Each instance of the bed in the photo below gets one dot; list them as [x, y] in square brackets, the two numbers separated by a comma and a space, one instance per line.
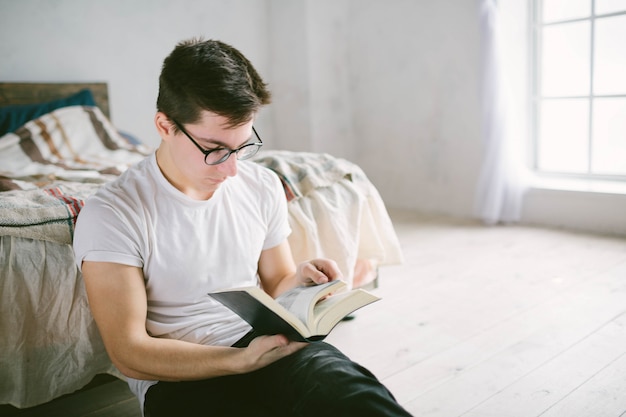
[57, 146]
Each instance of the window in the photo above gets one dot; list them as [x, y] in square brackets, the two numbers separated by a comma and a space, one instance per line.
[579, 88]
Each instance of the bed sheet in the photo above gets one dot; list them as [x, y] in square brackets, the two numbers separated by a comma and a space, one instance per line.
[50, 345]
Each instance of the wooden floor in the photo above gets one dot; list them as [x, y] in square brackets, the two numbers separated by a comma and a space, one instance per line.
[502, 322]
[478, 322]
[106, 396]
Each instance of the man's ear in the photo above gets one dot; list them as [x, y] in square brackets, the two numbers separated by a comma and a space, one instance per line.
[165, 127]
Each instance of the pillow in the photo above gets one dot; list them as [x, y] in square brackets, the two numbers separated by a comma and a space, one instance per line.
[12, 117]
[74, 141]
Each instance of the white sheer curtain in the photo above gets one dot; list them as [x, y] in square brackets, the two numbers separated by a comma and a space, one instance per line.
[502, 181]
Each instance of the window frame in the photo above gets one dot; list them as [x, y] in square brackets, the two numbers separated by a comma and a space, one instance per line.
[536, 28]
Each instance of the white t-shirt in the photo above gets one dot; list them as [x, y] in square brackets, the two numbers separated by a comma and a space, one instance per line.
[186, 248]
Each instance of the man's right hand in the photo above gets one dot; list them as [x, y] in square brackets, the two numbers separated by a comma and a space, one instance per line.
[265, 350]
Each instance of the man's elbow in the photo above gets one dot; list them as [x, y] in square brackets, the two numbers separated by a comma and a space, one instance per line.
[130, 372]
[121, 355]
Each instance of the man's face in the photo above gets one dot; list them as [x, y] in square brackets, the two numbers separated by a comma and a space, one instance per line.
[191, 174]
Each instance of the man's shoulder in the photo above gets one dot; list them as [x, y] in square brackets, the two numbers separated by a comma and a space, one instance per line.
[134, 176]
[128, 186]
[257, 173]
[257, 182]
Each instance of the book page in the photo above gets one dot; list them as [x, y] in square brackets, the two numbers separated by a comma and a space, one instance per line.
[300, 301]
[331, 310]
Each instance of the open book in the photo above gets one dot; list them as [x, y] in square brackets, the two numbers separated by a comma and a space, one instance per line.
[302, 314]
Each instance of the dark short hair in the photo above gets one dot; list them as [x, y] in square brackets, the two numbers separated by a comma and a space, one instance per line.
[210, 75]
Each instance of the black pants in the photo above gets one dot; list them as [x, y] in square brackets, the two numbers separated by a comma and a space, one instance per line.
[315, 381]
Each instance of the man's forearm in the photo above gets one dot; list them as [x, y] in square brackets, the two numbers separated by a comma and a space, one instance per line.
[175, 360]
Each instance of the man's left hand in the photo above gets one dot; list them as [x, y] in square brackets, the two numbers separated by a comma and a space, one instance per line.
[318, 271]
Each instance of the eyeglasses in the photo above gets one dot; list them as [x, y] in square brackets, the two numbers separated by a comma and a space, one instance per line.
[219, 155]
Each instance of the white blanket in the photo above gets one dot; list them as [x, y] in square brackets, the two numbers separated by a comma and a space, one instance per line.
[334, 211]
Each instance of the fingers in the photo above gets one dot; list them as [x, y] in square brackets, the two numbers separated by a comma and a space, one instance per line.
[318, 271]
[282, 346]
[291, 347]
[265, 350]
[272, 342]
[315, 274]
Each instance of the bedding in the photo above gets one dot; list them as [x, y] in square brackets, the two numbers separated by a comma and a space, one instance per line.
[49, 344]
[335, 212]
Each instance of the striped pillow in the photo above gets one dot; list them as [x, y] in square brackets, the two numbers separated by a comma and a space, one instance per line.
[72, 142]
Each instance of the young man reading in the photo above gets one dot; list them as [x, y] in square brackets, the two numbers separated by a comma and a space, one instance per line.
[195, 217]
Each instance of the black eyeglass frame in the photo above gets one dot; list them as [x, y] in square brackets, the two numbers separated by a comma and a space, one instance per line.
[207, 152]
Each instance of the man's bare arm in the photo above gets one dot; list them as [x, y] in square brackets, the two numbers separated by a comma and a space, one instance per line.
[278, 272]
[117, 297]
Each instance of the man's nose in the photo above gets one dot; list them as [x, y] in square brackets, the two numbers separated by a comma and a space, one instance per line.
[229, 166]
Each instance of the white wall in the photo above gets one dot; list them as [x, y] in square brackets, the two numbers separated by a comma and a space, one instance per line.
[416, 104]
[393, 85]
[390, 85]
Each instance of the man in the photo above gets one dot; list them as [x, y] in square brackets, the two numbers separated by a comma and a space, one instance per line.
[192, 218]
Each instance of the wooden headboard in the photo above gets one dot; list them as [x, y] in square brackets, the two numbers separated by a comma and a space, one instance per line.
[31, 93]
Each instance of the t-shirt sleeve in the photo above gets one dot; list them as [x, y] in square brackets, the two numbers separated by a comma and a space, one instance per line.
[103, 234]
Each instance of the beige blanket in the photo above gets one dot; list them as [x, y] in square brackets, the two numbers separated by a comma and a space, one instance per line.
[334, 211]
